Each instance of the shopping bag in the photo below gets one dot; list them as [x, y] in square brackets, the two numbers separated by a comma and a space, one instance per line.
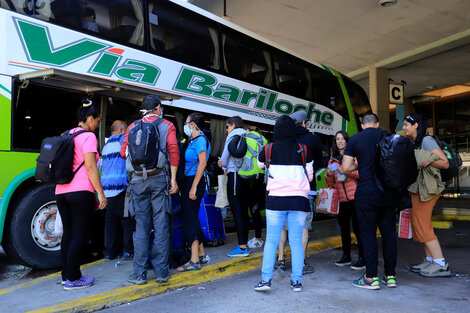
[58, 227]
[221, 200]
[404, 225]
[328, 201]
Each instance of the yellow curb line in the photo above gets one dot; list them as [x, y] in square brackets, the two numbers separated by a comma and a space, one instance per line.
[207, 273]
[451, 217]
[50, 276]
[442, 224]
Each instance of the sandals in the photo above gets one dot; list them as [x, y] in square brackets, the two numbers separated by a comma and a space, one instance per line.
[191, 266]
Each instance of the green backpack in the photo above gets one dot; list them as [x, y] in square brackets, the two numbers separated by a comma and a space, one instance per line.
[254, 143]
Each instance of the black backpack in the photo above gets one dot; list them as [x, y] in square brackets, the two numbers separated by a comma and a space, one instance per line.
[55, 162]
[144, 146]
[396, 162]
[455, 161]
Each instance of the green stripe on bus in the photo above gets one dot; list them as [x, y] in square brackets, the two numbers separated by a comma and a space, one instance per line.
[6, 197]
[5, 123]
[5, 88]
[352, 125]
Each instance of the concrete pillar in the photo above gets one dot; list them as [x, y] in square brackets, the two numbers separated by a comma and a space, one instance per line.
[379, 98]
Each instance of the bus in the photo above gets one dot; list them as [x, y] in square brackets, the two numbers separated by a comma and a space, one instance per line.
[117, 51]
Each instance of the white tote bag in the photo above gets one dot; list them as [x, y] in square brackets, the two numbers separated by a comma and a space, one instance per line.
[328, 201]
[221, 199]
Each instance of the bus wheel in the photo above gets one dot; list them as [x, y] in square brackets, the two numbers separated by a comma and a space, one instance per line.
[30, 236]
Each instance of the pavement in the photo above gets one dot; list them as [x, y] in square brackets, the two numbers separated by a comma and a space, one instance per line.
[45, 294]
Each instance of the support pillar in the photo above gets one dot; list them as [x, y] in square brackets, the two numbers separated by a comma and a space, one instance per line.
[379, 95]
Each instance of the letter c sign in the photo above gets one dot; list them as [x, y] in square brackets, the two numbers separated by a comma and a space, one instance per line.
[396, 93]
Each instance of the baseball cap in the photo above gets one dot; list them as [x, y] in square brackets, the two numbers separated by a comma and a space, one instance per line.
[299, 116]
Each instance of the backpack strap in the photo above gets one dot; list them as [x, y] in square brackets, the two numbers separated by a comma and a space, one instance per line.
[74, 135]
[303, 148]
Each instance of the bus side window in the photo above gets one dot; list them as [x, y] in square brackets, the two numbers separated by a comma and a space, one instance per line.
[180, 35]
[293, 76]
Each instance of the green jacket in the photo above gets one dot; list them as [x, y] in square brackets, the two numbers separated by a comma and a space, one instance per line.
[428, 184]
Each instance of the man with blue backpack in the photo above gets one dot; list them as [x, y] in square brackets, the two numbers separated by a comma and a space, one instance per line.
[153, 158]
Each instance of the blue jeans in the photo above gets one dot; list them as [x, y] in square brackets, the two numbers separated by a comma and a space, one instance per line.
[275, 222]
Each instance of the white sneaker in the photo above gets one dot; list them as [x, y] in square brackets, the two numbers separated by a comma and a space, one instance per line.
[255, 243]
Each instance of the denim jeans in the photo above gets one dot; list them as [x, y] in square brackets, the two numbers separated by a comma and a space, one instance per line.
[275, 222]
[150, 201]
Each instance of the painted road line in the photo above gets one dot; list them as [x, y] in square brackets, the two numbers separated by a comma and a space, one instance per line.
[442, 224]
[448, 217]
[207, 273]
[37, 280]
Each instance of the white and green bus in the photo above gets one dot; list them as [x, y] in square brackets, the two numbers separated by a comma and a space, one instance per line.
[116, 52]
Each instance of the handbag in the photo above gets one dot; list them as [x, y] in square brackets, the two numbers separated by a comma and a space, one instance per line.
[221, 199]
[328, 200]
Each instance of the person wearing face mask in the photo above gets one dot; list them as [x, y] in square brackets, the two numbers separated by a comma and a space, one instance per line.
[346, 185]
[196, 154]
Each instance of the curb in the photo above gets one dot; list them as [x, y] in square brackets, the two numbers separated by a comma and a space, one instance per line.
[207, 273]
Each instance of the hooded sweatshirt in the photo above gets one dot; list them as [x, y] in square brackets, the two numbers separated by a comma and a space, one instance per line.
[288, 184]
[229, 161]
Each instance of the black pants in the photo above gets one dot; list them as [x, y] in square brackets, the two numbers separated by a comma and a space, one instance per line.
[118, 229]
[237, 198]
[76, 210]
[256, 197]
[369, 217]
[346, 215]
[190, 210]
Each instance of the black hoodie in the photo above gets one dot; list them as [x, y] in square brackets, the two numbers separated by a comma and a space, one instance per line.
[314, 148]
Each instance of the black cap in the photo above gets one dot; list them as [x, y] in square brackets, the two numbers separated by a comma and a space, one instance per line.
[150, 102]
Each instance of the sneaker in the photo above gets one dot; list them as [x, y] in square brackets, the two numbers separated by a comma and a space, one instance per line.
[137, 279]
[345, 260]
[127, 256]
[164, 279]
[359, 265]
[308, 269]
[297, 286]
[418, 267]
[390, 281]
[363, 282]
[435, 270]
[239, 252]
[255, 243]
[82, 282]
[280, 264]
[263, 286]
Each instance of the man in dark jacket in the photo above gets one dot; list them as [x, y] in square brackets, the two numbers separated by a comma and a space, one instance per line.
[313, 143]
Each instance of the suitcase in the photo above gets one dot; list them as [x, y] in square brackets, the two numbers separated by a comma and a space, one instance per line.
[212, 224]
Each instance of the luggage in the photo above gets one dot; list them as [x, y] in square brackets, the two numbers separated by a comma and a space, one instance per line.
[55, 162]
[455, 161]
[396, 164]
[212, 224]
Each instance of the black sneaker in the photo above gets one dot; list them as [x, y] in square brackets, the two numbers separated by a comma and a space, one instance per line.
[308, 269]
[345, 260]
[280, 264]
[137, 279]
[297, 286]
[263, 286]
[359, 265]
[164, 279]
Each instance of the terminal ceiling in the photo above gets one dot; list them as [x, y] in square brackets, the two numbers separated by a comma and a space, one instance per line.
[423, 42]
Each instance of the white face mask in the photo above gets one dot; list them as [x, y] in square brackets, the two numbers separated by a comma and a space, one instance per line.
[188, 131]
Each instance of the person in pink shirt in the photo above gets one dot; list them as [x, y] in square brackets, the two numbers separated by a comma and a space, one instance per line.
[76, 200]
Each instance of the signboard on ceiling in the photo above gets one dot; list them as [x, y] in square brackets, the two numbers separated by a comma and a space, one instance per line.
[396, 93]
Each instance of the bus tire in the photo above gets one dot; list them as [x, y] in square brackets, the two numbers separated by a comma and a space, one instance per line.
[30, 238]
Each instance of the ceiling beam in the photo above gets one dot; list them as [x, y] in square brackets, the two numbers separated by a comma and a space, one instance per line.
[430, 49]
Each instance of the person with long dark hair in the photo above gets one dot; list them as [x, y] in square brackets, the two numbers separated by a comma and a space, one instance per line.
[196, 154]
[423, 201]
[346, 185]
[76, 200]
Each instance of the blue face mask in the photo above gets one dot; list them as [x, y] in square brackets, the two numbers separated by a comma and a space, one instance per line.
[188, 131]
